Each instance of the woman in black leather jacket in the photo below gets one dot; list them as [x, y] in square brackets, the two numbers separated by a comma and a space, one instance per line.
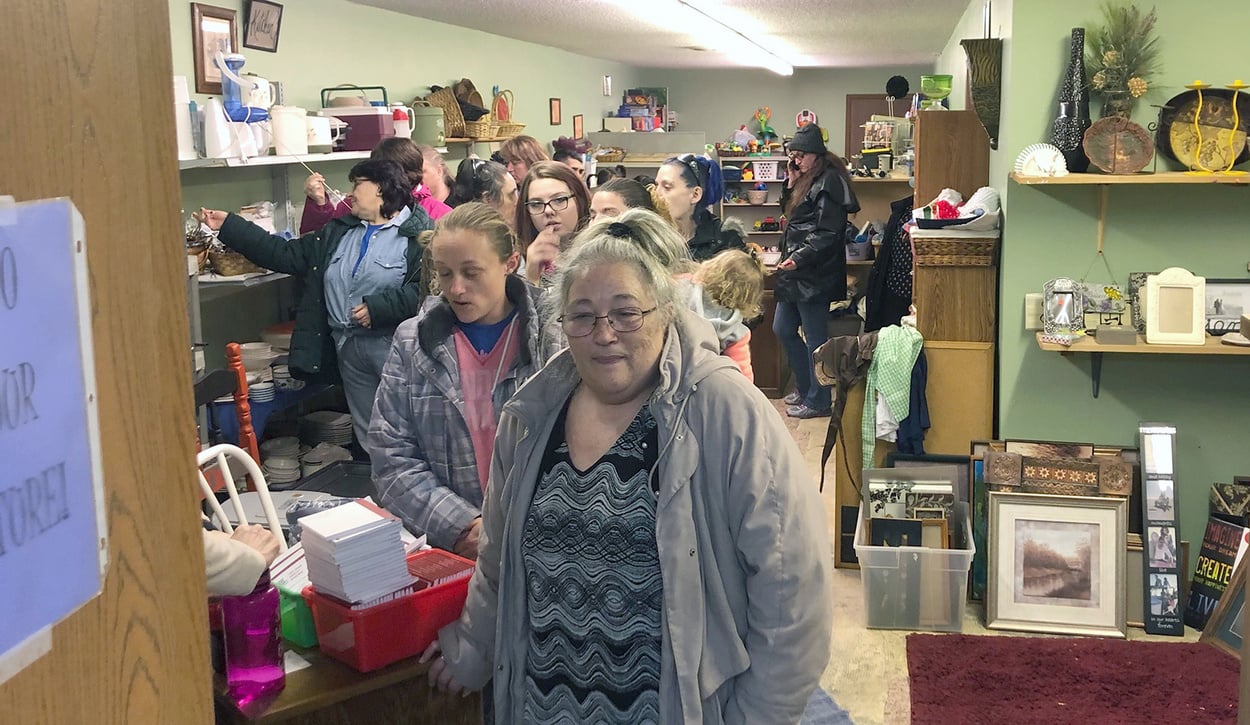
[691, 186]
[812, 271]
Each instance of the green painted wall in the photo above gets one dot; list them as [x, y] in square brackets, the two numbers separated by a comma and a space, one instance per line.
[954, 61]
[1052, 233]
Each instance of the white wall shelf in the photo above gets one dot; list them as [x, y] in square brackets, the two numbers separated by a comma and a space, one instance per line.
[238, 163]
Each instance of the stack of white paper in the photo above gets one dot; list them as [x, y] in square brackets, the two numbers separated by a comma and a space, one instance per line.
[355, 553]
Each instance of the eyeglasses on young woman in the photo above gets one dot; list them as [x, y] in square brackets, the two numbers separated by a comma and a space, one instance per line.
[559, 203]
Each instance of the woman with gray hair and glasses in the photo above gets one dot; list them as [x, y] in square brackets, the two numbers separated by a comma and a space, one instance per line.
[652, 548]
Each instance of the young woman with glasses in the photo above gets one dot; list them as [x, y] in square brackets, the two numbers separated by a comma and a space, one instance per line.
[554, 206]
[450, 370]
[691, 186]
[649, 513]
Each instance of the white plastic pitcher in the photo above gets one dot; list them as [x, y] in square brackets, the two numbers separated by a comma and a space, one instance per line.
[290, 130]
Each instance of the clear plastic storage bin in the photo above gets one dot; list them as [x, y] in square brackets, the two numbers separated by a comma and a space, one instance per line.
[914, 587]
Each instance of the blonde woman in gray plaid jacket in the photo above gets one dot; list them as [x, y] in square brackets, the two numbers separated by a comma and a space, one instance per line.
[450, 370]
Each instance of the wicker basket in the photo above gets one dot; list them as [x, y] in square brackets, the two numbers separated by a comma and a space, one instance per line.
[503, 109]
[481, 128]
[200, 253]
[229, 264]
[453, 119]
[609, 154]
[938, 251]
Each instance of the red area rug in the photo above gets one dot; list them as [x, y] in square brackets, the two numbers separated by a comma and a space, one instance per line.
[958, 678]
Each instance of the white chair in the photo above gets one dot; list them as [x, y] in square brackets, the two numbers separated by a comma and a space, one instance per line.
[221, 455]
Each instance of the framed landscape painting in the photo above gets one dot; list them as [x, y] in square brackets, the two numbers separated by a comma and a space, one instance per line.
[1056, 564]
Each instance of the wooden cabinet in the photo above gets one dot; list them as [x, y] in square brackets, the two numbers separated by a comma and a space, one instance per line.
[952, 151]
[772, 373]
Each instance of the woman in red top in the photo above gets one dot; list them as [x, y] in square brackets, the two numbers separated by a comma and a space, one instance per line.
[319, 209]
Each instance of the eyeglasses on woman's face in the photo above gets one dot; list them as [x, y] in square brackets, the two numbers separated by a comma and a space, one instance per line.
[558, 203]
[624, 319]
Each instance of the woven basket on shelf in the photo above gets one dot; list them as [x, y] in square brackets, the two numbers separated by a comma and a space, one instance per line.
[453, 119]
[503, 109]
[609, 154]
[481, 128]
[955, 252]
[229, 264]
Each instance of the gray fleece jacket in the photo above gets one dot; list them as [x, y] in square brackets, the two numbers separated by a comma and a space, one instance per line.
[741, 531]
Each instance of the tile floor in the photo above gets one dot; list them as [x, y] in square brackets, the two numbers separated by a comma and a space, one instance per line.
[867, 672]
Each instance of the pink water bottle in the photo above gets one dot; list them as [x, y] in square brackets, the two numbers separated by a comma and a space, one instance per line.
[253, 632]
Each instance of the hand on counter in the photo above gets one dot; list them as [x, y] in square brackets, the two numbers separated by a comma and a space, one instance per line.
[440, 676]
[260, 539]
[466, 545]
[210, 217]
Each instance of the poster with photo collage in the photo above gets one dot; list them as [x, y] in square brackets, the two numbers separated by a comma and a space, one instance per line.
[1161, 565]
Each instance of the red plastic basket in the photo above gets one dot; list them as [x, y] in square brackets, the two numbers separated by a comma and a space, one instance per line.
[373, 638]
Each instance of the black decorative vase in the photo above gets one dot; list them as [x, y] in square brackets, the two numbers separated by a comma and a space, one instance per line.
[1069, 128]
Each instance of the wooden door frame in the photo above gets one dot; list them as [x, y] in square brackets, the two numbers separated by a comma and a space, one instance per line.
[138, 653]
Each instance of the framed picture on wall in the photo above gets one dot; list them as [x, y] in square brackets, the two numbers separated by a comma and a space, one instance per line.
[213, 30]
[553, 109]
[578, 127]
[264, 20]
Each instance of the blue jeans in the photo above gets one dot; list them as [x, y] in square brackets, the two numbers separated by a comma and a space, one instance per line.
[360, 365]
[814, 317]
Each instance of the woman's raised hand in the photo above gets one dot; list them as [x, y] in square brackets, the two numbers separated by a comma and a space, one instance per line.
[541, 254]
[315, 188]
[211, 218]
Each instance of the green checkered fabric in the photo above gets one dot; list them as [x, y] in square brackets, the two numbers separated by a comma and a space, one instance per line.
[890, 373]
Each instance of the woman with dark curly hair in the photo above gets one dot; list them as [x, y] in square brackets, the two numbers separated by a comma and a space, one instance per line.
[487, 182]
[361, 275]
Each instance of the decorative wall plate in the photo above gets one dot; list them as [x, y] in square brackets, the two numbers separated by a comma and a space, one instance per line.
[1041, 159]
[1116, 145]
[1176, 139]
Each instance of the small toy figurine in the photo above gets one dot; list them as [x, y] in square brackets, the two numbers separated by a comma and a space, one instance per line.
[748, 174]
[762, 116]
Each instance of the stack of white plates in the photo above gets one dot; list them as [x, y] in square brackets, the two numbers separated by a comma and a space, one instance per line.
[282, 378]
[281, 470]
[256, 356]
[286, 447]
[261, 392]
[321, 456]
[326, 426]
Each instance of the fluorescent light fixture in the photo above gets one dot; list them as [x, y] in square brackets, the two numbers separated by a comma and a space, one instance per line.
[698, 18]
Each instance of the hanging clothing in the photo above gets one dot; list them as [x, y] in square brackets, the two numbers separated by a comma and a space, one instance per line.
[911, 429]
[845, 359]
[890, 281]
[890, 373]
